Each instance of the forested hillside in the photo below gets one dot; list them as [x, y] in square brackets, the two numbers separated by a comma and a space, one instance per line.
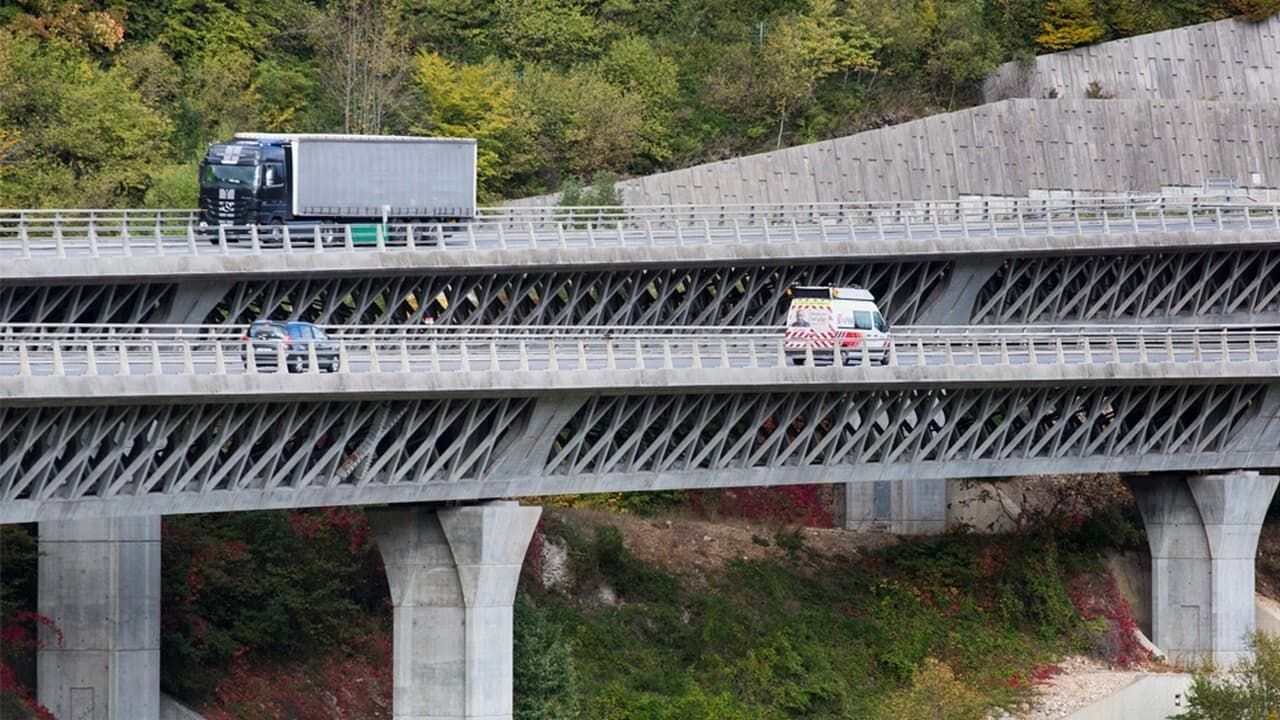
[105, 103]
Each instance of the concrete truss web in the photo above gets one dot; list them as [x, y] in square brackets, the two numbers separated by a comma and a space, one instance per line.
[154, 459]
[79, 303]
[750, 296]
[631, 434]
[1115, 287]
[105, 452]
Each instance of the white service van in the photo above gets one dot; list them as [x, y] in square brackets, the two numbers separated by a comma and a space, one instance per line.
[822, 319]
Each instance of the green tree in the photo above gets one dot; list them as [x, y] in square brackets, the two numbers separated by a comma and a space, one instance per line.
[478, 101]
[584, 123]
[544, 682]
[364, 60]
[1068, 24]
[638, 68]
[803, 49]
[552, 31]
[963, 51]
[85, 137]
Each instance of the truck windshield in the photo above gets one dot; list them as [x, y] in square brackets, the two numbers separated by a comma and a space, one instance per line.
[211, 174]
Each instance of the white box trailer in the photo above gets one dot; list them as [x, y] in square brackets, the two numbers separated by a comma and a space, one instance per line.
[269, 179]
[372, 176]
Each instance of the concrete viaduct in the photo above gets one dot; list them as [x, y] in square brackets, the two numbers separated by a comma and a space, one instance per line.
[123, 449]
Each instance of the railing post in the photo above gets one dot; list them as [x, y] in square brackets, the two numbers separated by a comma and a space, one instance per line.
[433, 357]
[553, 362]
[667, 362]
[58, 242]
[1142, 347]
[524, 356]
[188, 362]
[494, 365]
[313, 362]
[219, 361]
[23, 238]
[582, 355]
[404, 355]
[124, 359]
[90, 361]
[58, 369]
[609, 361]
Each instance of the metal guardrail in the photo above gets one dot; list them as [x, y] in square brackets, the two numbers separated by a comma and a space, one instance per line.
[28, 234]
[25, 355]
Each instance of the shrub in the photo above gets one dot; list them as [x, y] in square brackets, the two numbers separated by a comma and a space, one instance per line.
[934, 693]
[1251, 692]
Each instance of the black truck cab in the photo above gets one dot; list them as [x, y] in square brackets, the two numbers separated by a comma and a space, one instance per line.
[245, 182]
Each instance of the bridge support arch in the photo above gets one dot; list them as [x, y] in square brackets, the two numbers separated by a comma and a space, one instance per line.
[99, 582]
[453, 574]
[1203, 531]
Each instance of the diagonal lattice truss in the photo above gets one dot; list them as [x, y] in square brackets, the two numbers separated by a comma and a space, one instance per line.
[201, 457]
[1024, 289]
[102, 452]
[126, 304]
[1120, 287]
[639, 297]
[636, 434]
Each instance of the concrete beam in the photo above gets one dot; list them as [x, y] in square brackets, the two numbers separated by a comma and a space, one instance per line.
[453, 573]
[99, 582]
[1203, 532]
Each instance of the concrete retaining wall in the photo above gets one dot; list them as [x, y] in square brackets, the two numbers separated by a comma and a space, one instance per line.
[1229, 60]
[1012, 148]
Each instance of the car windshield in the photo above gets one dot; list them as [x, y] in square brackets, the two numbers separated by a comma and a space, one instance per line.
[215, 174]
[263, 331]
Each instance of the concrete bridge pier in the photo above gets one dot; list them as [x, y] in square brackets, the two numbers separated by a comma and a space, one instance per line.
[1203, 532]
[453, 574]
[99, 582]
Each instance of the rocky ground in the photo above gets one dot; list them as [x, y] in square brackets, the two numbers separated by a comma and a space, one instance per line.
[693, 548]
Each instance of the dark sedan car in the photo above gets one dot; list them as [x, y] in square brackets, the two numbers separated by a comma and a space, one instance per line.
[268, 339]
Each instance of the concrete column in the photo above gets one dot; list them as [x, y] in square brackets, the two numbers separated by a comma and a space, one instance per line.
[1203, 532]
[901, 507]
[453, 574]
[99, 581]
[919, 507]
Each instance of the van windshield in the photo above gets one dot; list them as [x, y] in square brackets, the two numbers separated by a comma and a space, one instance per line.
[862, 319]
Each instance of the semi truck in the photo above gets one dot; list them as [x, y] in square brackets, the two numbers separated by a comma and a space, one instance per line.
[305, 181]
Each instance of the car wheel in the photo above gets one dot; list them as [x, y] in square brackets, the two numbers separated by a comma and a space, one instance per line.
[797, 361]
